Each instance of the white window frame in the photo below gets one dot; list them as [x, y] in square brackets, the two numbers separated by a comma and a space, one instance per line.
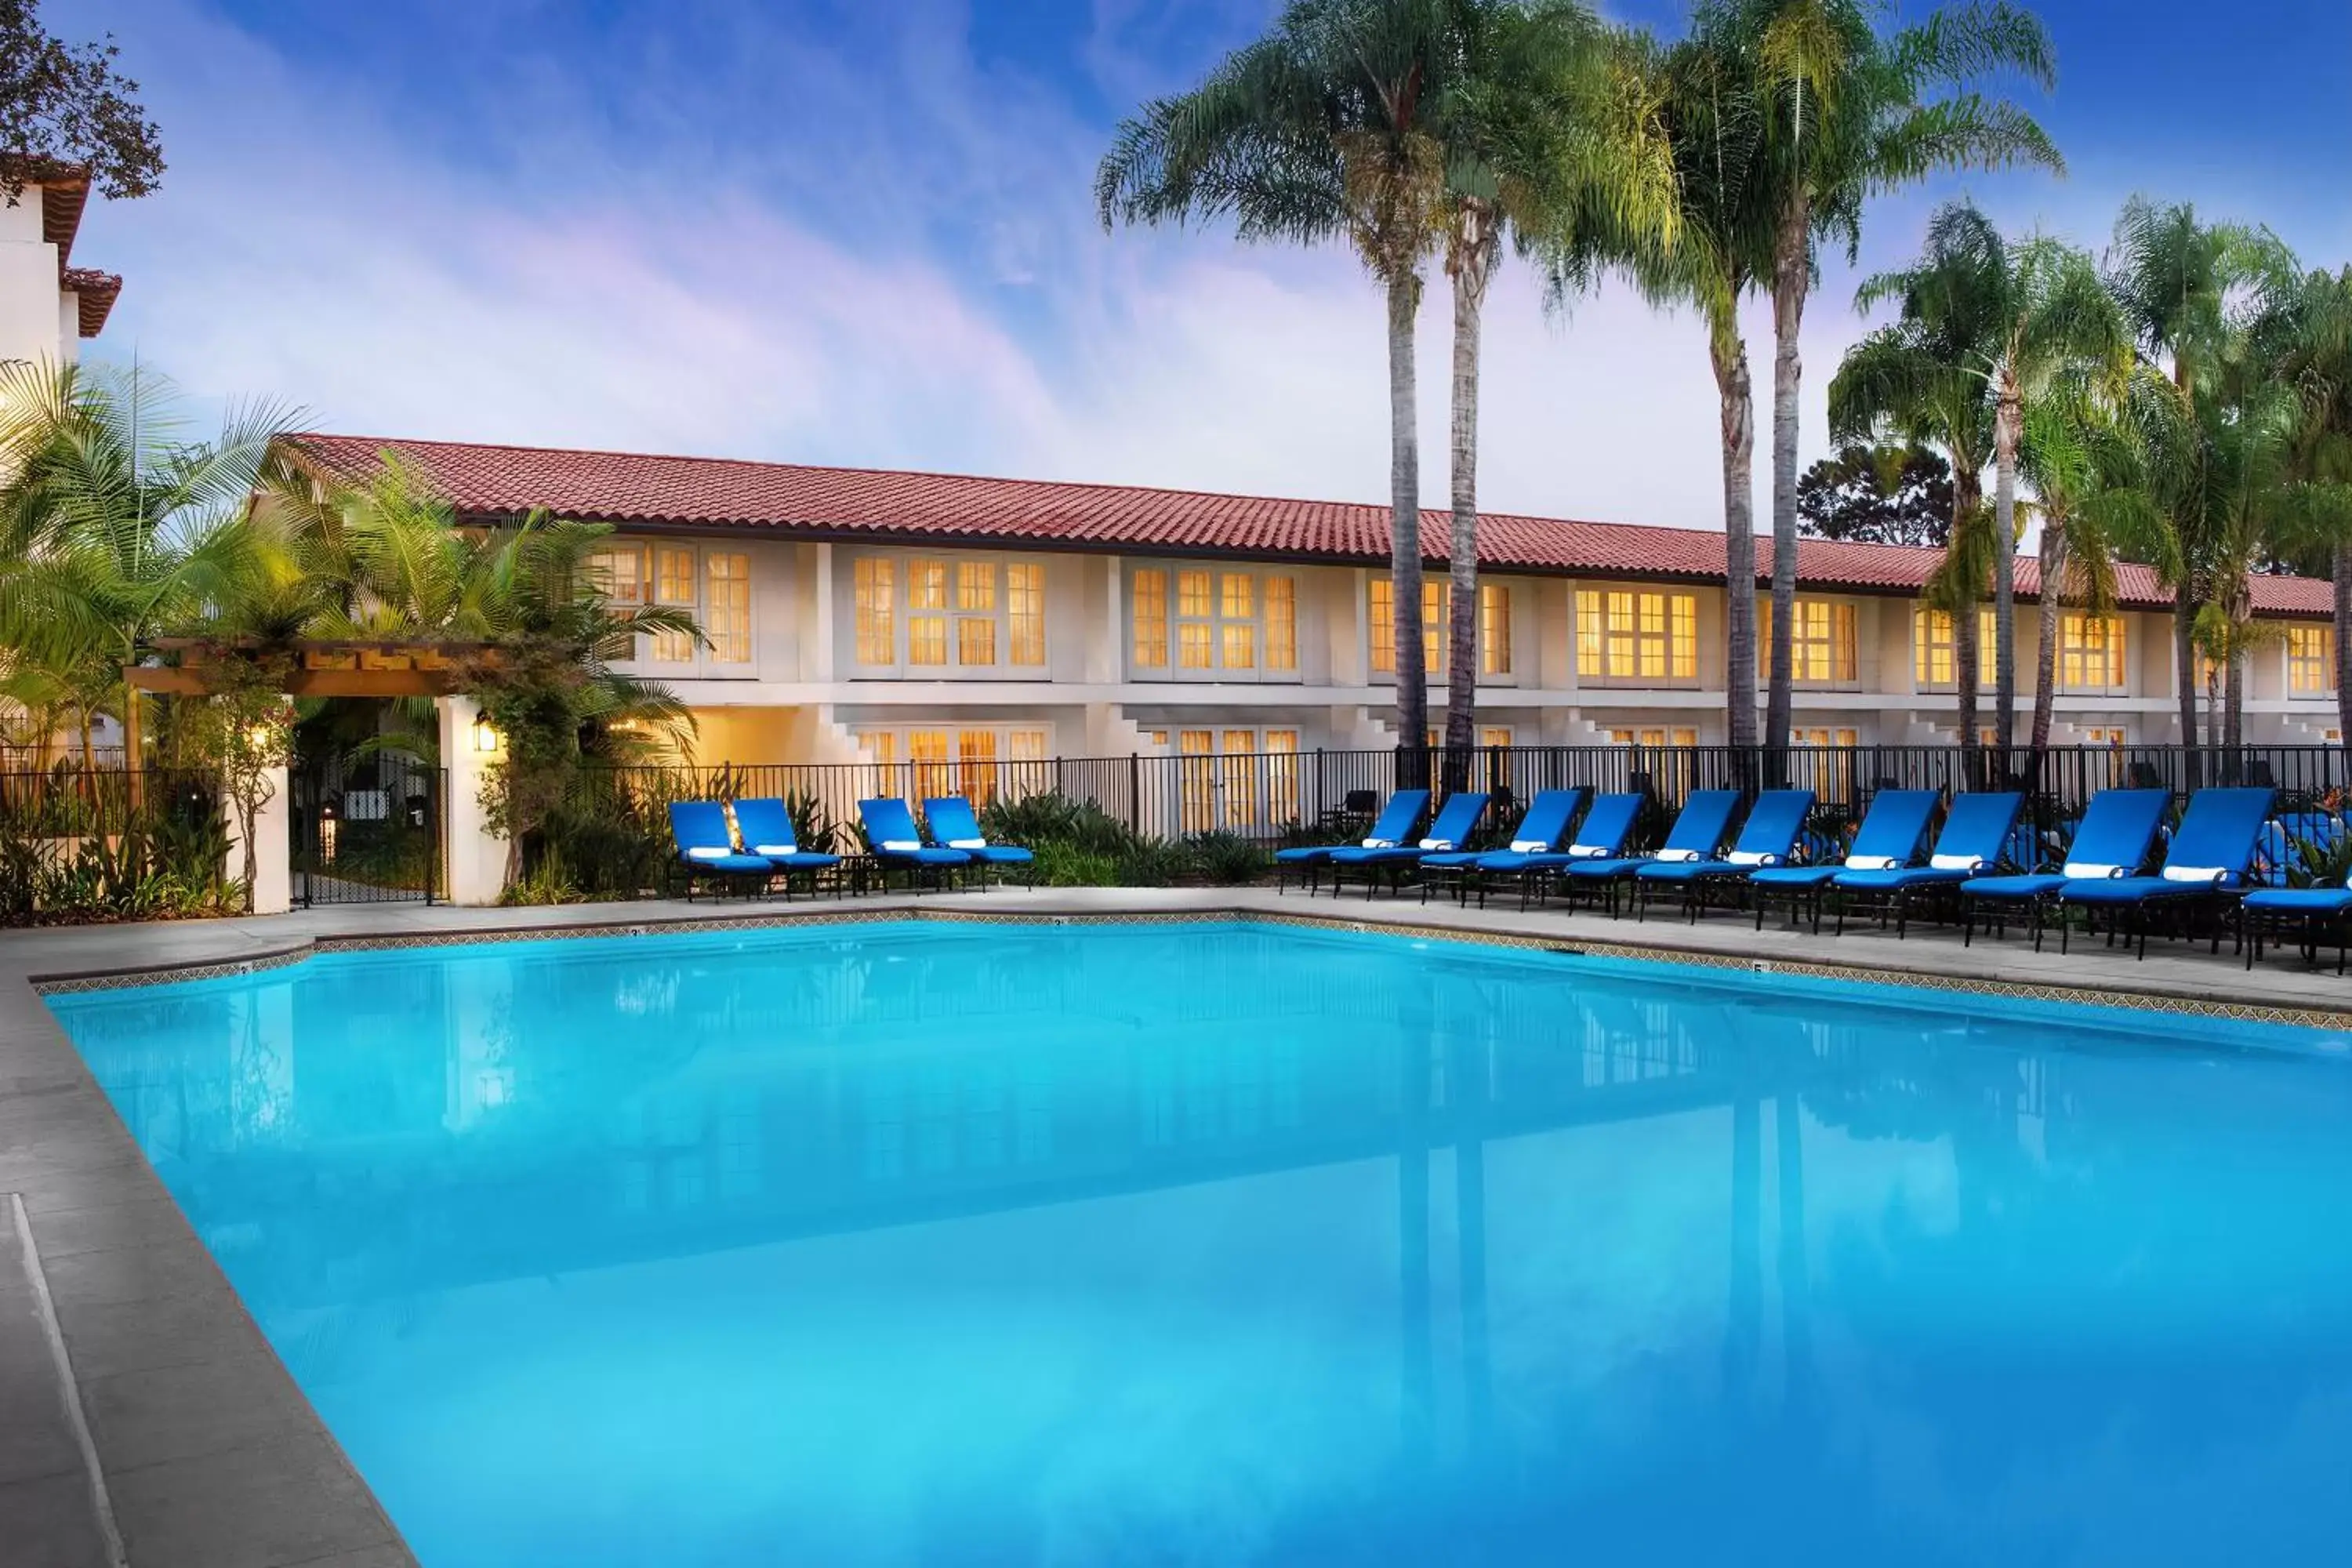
[704, 662]
[1000, 564]
[1216, 621]
[888, 747]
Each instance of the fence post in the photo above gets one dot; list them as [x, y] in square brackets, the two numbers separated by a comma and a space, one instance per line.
[1135, 792]
[273, 845]
[476, 861]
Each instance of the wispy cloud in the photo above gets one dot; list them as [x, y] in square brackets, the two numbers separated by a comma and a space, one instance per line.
[708, 231]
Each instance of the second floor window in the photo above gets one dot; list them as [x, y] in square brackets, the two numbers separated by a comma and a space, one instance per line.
[1623, 634]
[1198, 623]
[1437, 627]
[1822, 641]
[944, 615]
[1931, 647]
[2310, 660]
[2090, 652]
[713, 585]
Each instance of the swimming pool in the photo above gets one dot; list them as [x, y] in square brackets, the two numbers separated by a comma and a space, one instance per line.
[1237, 1243]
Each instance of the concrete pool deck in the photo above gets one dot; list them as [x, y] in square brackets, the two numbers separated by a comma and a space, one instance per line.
[148, 1421]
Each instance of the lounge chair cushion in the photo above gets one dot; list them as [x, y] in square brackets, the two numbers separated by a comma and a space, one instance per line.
[1906, 877]
[2130, 890]
[1689, 870]
[2301, 900]
[1618, 866]
[1304, 854]
[1808, 876]
[2040, 884]
[727, 860]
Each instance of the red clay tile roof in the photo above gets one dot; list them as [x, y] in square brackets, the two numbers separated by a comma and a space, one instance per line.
[95, 293]
[707, 492]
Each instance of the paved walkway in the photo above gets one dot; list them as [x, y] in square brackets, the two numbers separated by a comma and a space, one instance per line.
[209, 1454]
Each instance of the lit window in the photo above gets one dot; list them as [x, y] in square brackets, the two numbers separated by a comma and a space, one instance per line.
[1822, 641]
[727, 616]
[976, 765]
[878, 625]
[1196, 780]
[1932, 658]
[2310, 660]
[619, 573]
[927, 624]
[975, 589]
[1281, 775]
[928, 750]
[1240, 801]
[2090, 652]
[1282, 623]
[1494, 735]
[1435, 594]
[1628, 635]
[1024, 608]
[1238, 601]
[1494, 628]
[674, 586]
[1654, 737]
[1196, 629]
[1151, 619]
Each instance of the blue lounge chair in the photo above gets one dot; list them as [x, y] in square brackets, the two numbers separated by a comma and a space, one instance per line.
[1696, 835]
[1451, 830]
[706, 849]
[768, 832]
[955, 827]
[2309, 912]
[1975, 831]
[1539, 832]
[2204, 865]
[1889, 840]
[1768, 837]
[1394, 826]
[895, 844]
[1599, 837]
[2288, 844]
[2111, 840]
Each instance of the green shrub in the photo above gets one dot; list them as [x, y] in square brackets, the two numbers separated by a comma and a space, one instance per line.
[1153, 862]
[1228, 859]
[1052, 818]
[1061, 864]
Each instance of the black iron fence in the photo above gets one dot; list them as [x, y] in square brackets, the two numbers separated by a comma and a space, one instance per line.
[1281, 796]
[111, 844]
[367, 832]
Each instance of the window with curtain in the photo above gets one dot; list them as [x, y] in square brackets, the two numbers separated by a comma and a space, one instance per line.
[1205, 623]
[1494, 628]
[2310, 660]
[974, 613]
[1822, 645]
[727, 605]
[2090, 652]
[1636, 635]
[1436, 596]
[876, 609]
[1931, 646]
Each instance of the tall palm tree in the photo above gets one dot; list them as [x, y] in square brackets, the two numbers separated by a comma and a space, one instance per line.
[2177, 281]
[2019, 316]
[115, 528]
[1553, 130]
[1722, 244]
[1328, 127]
[2079, 447]
[1850, 111]
[2310, 340]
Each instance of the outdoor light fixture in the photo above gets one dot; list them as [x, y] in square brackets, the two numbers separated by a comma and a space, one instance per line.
[486, 734]
[329, 821]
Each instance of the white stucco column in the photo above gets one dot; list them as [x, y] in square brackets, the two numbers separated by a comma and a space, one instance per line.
[273, 846]
[476, 863]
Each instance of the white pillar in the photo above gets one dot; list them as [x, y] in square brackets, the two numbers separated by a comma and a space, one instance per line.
[476, 861]
[273, 846]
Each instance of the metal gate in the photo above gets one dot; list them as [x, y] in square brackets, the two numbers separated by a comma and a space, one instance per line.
[366, 831]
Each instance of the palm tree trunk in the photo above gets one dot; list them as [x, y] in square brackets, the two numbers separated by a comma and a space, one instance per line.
[2341, 600]
[1965, 498]
[2184, 661]
[1404, 521]
[2009, 433]
[1462, 655]
[2045, 651]
[1729, 354]
[2233, 721]
[1792, 281]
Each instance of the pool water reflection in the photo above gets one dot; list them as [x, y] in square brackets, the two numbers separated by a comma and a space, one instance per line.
[1229, 1244]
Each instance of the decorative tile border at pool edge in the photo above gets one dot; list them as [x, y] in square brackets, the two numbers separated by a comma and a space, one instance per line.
[2336, 1019]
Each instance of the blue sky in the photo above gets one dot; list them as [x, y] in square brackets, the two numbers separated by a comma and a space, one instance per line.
[859, 231]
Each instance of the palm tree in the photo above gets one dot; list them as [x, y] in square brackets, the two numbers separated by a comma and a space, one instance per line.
[1328, 127]
[1553, 130]
[1924, 379]
[2310, 340]
[1722, 242]
[2019, 316]
[2079, 447]
[115, 529]
[1849, 112]
[2176, 280]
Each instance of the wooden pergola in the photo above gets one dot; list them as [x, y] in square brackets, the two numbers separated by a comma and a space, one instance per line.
[324, 666]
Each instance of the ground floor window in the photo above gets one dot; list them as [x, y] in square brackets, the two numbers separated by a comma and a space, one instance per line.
[1654, 737]
[2310, 660]
[981, 762]
[2096, 736]
[1232, 777]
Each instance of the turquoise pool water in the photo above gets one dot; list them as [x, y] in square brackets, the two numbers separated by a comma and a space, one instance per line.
[1165, 1243]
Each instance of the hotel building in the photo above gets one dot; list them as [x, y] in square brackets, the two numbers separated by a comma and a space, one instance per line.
[858, 615]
